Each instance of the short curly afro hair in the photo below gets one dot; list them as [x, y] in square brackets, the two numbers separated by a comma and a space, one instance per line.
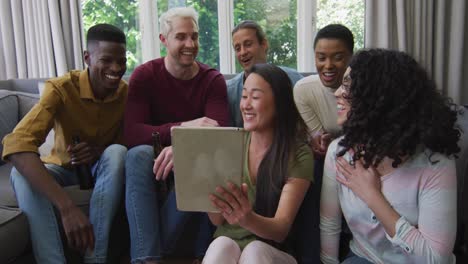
[395, 110]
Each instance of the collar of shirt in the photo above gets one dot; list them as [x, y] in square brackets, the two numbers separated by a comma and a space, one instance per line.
[86, 92]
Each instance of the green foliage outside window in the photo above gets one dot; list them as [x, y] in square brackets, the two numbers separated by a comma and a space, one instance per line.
[208, 32]
[349, 13]
[279, 20]
[122, 14]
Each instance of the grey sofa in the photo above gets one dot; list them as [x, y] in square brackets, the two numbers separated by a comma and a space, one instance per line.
[13, 224]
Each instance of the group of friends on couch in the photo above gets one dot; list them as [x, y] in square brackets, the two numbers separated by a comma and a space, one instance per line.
[384, 138]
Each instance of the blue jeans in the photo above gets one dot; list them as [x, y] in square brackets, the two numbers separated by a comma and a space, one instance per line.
[108, 173]
[155, 228]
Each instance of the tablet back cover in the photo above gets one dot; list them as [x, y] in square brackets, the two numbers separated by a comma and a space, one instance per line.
[205, 157]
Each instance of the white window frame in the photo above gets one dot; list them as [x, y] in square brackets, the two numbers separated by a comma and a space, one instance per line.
[306, 30]
[227, 61]
[149, 28]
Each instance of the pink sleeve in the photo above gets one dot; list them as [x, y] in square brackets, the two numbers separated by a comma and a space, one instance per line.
[330, 210]
[434, 236]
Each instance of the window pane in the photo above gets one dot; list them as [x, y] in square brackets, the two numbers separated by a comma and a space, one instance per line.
[122, 14]
[349, 13]
[208, 23]
[279, 20]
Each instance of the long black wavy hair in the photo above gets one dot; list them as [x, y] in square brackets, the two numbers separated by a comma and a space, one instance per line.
[395, 107]
[289, 131]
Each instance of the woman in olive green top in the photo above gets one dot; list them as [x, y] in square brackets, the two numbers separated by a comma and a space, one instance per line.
[255, 219]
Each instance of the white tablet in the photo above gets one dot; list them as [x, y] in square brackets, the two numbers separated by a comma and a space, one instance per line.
[205, 157]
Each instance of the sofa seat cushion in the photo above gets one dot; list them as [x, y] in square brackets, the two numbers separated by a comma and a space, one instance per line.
[14, 234]
[8, 198]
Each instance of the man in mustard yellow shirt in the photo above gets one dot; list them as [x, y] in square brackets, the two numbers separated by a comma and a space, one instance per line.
[89, 104]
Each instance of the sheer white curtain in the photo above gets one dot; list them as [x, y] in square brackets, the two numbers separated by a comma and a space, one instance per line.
[434, 32]
[40, 38]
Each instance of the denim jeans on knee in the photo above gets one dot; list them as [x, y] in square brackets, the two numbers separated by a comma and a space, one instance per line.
[154, 228]
[43, 226]
[45, 236]
[109, 173]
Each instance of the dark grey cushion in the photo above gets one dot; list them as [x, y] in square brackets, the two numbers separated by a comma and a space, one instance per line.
[7, 196]
[14, 233]
[26, 101]
[8, 115]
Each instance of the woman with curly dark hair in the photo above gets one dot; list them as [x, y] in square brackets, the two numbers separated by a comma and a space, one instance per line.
[392, 173]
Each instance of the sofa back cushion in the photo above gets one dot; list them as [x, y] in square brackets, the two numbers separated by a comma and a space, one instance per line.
[26, 85]
[25, 102]
[13, 107]
[9, 115]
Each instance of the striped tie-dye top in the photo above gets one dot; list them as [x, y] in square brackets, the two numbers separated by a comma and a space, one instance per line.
[422, 190]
